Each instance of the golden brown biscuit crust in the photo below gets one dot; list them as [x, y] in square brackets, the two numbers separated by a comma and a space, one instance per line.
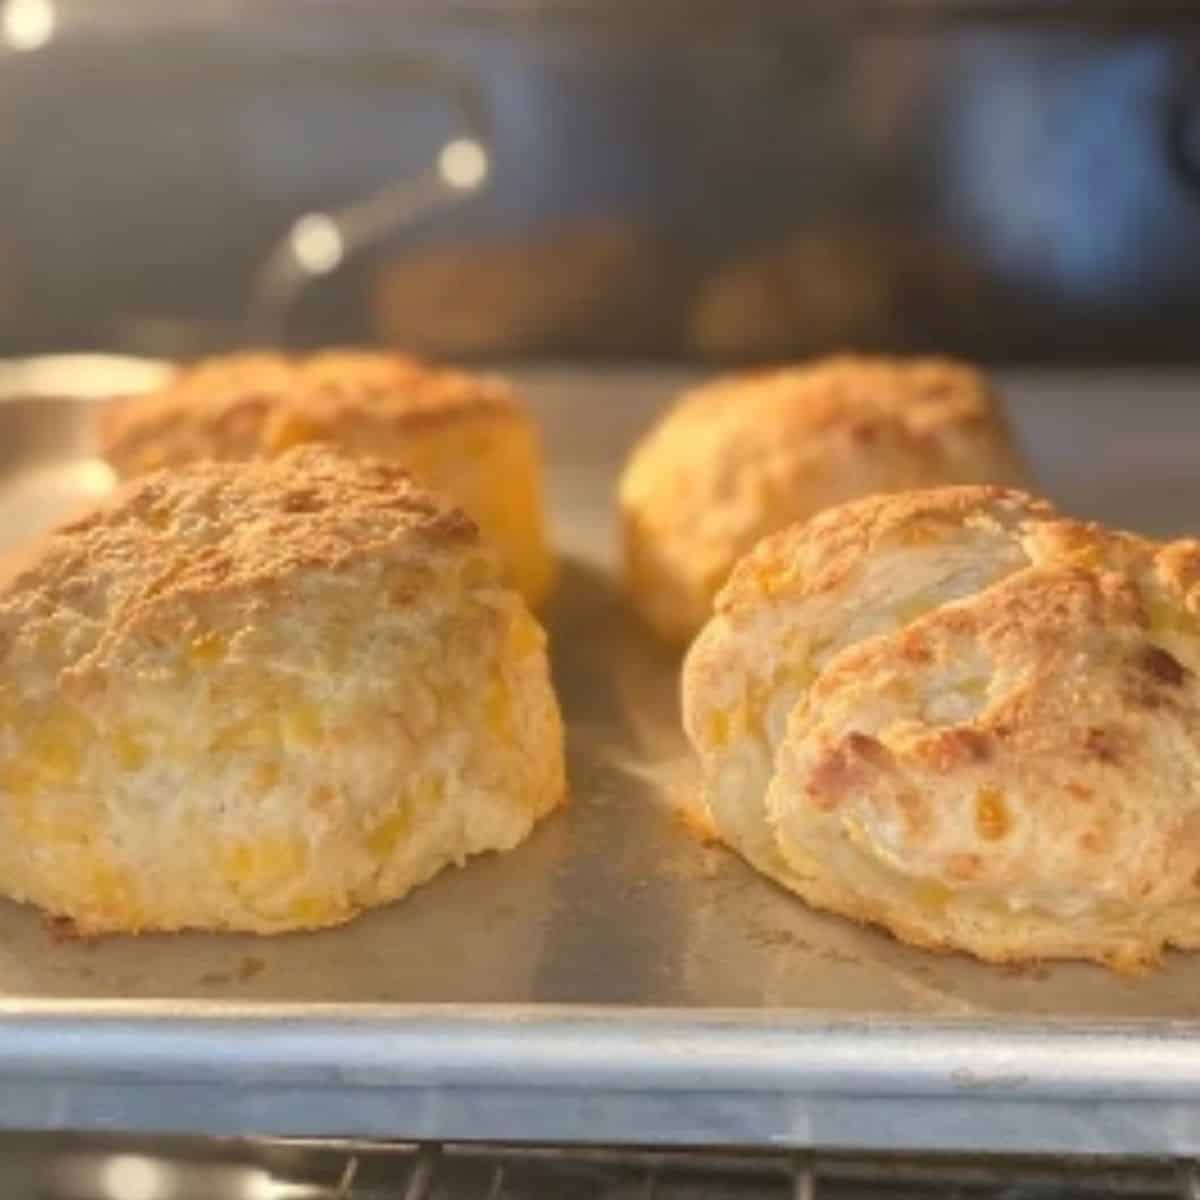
[1010, 765]
[746, 455]
[210, 529]
[246, 405]
[817, 556]
[263, 697]
[464, 436]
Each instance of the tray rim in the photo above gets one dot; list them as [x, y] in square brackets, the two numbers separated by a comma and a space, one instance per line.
[674, 1043]
[552, 1073]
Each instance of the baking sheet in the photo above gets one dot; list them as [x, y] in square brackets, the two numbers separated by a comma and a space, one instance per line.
[614, 954]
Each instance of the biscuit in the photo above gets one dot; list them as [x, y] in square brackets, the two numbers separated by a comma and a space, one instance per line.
[958, 716]
[586, 286]
[465, 436]
[264, 697]
[820, 289]
[746, 455]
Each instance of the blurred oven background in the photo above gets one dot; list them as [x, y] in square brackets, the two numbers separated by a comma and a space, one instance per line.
[602, 180]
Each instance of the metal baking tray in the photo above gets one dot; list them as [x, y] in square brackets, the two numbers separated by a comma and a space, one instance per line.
[613, 980]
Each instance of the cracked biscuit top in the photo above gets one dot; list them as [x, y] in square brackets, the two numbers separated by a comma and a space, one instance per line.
[966, 719]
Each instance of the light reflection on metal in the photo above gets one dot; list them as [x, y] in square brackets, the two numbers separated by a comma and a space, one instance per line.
[319, 243]
[316, 244]
[262, 1185]
[135, 1177]
[464, 164]
[27, 25]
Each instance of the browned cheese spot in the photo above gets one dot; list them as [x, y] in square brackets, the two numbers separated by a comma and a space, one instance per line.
[992, 818]
[1103, 744]
[1163, 666]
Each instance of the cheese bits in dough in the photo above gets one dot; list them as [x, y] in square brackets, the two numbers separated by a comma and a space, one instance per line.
[744, 456]
[958, 716]
[264, 697]
[465, 436]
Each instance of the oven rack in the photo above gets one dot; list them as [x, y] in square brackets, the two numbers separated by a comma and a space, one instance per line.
[121, 1168]
[450, 1172]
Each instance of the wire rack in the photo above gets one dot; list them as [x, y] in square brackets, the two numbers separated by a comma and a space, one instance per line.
[613, 1174]
[342, 1170]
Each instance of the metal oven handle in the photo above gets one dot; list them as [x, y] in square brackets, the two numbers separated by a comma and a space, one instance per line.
[318, 243]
